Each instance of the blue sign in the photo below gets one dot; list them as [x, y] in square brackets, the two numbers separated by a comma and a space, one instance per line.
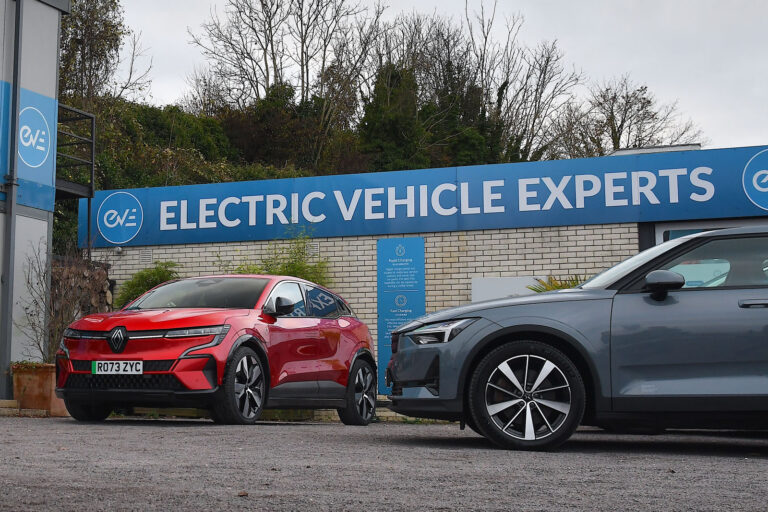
[38, 116]
[683, 185]
[401, 292]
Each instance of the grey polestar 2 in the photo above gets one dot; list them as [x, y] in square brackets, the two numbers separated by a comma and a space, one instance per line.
[676, 336]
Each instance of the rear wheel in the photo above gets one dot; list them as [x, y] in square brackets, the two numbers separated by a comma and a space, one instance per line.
[83, 411]
[361, 395]
[241, 397]
[526, 395]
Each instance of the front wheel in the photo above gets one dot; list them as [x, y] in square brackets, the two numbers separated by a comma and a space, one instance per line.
[360, 396]
[241, 397]
[526, 395]
[83, 411]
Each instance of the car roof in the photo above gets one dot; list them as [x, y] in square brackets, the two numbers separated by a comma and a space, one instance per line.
[744, 230]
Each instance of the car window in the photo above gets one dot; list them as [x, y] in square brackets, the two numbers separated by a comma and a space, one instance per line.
[724, 262]
[292, 292]
[344, 309]
[207, 292]
[322, 303]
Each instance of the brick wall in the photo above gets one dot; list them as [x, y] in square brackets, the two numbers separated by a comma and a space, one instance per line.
[452, 259]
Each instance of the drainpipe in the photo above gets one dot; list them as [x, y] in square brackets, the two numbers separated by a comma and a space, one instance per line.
[9, 241]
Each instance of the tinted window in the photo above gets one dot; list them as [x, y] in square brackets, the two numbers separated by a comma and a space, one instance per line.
[344, 310]
[728, 262]
[322, 303]
[291, 292]
[218, 292]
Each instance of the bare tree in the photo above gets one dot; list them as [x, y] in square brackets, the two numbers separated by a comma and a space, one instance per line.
[247, 47]
[135, 79]
[206, 95]
[58, 292]
[621, 114]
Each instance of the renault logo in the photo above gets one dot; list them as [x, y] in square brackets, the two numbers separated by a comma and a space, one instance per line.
[117, 339]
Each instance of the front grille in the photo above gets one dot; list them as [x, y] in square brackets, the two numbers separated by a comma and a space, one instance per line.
[160, 365]
[163, 382]
[81, 366]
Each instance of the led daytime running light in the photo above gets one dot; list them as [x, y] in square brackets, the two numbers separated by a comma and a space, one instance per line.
[441, 332]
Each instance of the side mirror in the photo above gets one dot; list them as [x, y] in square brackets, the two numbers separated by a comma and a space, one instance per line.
[659, 282]
[282, 307]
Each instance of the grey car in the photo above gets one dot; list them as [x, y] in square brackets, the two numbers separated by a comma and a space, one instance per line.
[676, 336]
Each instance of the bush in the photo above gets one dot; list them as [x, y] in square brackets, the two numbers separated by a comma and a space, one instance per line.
[553, 283]
[144, 280]
[288, 258]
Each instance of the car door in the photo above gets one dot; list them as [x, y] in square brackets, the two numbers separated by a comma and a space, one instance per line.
[330, 368]
[703, 347]
[293, 346]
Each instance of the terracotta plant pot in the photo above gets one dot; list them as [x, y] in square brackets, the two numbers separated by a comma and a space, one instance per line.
[34, 387]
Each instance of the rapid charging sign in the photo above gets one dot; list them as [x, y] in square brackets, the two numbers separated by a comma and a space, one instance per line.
[684, 185]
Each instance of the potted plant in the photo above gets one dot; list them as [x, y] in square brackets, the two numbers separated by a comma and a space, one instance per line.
[34, 387]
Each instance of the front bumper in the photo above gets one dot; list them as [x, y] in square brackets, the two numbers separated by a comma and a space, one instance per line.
[425, 379]
[181, 382]
[132, 397]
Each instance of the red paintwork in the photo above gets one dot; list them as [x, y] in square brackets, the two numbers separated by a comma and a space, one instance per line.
[298, 348]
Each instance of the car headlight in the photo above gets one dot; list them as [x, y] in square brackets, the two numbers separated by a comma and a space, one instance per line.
[219, 332]
[440, 332]
[63, 346]
[197, 332]
[71, 333]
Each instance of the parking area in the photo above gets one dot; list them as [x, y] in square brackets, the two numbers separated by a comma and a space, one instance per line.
[168, 464]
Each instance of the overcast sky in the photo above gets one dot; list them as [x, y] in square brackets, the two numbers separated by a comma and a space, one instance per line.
[708, 55]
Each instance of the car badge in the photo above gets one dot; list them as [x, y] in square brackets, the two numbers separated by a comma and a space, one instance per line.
[117, 339]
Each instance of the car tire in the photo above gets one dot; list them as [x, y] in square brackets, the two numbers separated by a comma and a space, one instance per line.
[526, 395]
[469, 422]
[243, 390]
[360, 396]
[83, 411]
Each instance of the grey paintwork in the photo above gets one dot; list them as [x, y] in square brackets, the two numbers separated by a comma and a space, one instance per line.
[696, 349]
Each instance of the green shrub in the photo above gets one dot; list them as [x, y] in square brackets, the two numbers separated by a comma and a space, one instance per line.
[287, 258]
[144, 280]
[553, 283]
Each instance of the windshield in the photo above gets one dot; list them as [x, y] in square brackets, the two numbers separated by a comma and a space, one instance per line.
[213, 292]
[613, 274]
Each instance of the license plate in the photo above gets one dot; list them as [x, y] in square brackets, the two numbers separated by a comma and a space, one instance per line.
[117, 367]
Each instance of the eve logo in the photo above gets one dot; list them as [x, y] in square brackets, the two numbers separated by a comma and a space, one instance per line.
[34, 137]
[754, 179]
[120, 217]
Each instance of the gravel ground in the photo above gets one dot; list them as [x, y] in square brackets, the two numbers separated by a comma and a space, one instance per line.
[164, 464]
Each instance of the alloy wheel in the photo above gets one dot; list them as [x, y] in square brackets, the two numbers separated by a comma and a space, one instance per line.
[249, 386]
[528, 397]
[365, 398]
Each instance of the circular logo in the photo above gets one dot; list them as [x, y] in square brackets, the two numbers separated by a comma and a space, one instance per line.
[400, 250]
[34, 137]
[755, 179]
[401, 300]
[119, 218]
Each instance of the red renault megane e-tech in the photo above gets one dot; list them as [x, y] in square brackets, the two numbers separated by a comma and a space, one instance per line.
[232, 344]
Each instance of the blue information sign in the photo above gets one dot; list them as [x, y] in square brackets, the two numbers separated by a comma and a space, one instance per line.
[36, 162]
[401, 295]
[680, 185]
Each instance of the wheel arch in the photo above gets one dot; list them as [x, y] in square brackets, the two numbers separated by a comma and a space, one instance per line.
[553, 337]
[366, 355]
[257, 345]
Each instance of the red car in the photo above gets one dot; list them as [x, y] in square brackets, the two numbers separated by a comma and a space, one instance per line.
[232, 344]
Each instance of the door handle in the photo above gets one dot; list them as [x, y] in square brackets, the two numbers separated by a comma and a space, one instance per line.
[753, 303]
